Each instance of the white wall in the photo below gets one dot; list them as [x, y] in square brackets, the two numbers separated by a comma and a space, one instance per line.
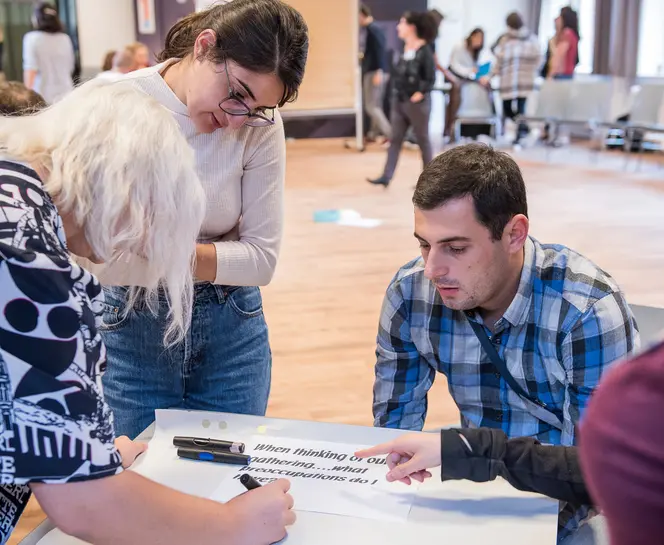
[462, 16]
[651, 39]
[103, 25]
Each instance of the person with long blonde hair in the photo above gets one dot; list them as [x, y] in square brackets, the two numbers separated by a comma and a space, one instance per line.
[78, 178]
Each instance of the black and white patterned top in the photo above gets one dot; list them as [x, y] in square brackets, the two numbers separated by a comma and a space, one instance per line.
[54, 424]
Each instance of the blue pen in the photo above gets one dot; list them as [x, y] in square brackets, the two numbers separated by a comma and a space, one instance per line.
[218, 457]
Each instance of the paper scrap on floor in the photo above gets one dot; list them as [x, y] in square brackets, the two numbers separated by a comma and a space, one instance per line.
[325, 478]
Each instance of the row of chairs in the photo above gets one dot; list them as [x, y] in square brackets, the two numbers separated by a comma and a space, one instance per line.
[589, 105]
[586, 104]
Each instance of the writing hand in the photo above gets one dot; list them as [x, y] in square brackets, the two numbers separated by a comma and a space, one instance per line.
[262, 515]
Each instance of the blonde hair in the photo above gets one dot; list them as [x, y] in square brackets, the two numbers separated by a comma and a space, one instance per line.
[135, 46]
[116, 161]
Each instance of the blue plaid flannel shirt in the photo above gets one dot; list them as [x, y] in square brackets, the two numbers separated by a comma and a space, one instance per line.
[568, 323]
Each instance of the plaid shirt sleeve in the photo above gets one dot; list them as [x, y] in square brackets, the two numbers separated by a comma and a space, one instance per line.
[604, 334]
[403, 377]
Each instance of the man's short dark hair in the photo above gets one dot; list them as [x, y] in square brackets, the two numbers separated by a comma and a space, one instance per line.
[365, 10]
[490, 177]
[514, 21]
[16, 99]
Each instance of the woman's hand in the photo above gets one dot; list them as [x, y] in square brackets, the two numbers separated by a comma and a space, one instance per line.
[261, 515]
[129, 450]
[417, 97]
[409, 456]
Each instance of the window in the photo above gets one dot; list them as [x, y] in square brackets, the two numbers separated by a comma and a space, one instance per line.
[586, 11]
[650, 60]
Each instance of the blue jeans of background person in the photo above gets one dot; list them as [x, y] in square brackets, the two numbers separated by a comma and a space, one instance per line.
[224, 364]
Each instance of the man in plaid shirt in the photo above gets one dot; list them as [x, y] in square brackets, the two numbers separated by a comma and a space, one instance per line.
[556, 319]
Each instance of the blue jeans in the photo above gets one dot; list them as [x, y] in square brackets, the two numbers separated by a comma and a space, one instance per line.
[224, 364]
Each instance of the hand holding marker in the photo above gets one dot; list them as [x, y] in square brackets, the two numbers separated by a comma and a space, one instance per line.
[249, 482]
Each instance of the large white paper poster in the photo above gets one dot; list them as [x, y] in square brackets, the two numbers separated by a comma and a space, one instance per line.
[325, 478]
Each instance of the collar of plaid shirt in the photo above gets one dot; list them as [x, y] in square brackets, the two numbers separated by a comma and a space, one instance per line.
[517, 313]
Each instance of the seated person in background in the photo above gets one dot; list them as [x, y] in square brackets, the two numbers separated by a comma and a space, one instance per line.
[67, 187]
[486, 297]
[622, 450]
[141, 54]
[17, 99]
[464, 65]
[123, 63]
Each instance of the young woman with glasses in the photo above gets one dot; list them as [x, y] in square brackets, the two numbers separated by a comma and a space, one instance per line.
[222, 74]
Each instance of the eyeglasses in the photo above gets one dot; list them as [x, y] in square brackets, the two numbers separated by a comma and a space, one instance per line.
[234, 105]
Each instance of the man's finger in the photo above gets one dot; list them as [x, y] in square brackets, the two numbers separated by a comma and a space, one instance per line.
[417, 477]
[393, 460]
[405, 480]
[405, 469]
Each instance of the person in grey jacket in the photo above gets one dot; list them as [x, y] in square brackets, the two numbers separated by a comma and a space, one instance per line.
[518, 59]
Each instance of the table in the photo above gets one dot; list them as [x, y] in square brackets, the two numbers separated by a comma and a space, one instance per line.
[452, 512]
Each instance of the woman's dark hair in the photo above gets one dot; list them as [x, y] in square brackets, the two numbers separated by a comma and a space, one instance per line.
[424, 23]
[514, 21]
[16, 99]
[490, 177]
[264, 36]
[475, 51]
[570, 19]
[46, 18]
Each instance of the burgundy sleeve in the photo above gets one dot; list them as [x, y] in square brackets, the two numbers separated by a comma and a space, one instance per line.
[622, 449]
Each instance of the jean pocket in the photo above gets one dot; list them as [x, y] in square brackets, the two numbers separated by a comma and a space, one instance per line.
[246, 301]
[115, 313]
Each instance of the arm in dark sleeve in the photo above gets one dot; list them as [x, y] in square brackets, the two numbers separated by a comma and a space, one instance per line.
[381, 49]
[526, 464]
[427, 70]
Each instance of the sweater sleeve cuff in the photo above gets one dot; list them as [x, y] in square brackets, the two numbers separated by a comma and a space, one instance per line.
[473, 456]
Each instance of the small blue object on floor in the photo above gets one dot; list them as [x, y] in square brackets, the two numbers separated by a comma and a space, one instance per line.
[327, 216]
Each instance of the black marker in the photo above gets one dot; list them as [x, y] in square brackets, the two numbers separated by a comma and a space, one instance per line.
[249, 482]
[208, 444]
[219, 457]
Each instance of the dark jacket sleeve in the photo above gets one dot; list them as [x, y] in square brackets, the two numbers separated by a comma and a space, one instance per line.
[525, 463]
[427, 69]
[381, 49]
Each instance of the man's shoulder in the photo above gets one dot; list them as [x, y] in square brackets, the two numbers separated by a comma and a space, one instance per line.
[574, 277]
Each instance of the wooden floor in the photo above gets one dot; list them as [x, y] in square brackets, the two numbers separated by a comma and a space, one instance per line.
[323, 305]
